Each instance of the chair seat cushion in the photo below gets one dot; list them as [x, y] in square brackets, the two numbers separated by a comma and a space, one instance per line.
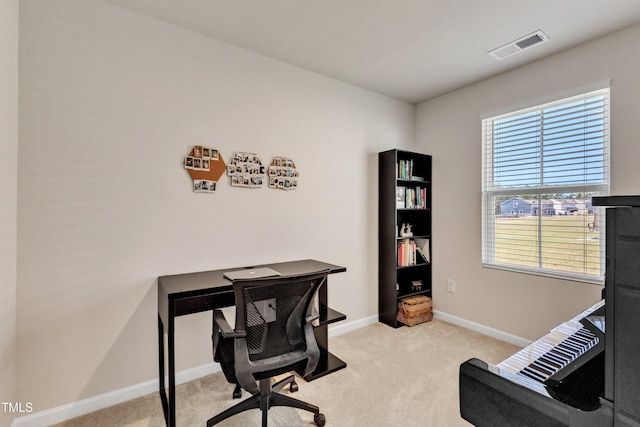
[226, 357]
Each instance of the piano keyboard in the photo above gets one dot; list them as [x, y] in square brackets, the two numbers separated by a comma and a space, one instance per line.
[549, 354]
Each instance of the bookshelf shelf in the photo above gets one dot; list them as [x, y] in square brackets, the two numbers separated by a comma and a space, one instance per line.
[403, 261]
[413, 266]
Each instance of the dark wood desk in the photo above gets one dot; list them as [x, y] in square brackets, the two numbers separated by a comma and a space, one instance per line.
[182, 294]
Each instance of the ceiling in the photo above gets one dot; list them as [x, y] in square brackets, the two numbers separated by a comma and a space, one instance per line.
[412, 50]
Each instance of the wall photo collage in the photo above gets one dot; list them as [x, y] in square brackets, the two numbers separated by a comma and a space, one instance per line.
[206, 165]
[283, 174]
[246, 170]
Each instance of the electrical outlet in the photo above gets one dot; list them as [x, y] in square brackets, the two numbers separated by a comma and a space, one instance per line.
[451, 286]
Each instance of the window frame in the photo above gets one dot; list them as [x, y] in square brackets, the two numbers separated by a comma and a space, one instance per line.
[489, 190]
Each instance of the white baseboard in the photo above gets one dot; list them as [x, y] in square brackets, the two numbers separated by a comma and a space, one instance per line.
[344, 327]
[477, 327]
[102, 401]
[95, 403]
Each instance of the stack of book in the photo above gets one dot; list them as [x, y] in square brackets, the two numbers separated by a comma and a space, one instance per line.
[412, 253]
[411, 198]
[405, 169]
[406, 253]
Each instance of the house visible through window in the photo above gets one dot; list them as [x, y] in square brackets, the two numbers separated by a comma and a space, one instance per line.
[541, 166]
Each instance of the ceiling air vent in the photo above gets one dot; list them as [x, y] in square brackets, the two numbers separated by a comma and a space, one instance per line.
[518, 45]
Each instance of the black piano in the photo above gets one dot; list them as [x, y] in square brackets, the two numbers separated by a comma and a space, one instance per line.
[584, 372]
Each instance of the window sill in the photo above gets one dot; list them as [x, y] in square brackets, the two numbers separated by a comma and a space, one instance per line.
[547, 273]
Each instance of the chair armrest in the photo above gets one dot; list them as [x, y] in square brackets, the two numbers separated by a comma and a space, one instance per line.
[223, 326]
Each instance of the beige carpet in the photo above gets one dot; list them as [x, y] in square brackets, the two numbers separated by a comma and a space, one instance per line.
[395, 377]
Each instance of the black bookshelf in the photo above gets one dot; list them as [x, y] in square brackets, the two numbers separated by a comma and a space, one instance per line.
[404, 197]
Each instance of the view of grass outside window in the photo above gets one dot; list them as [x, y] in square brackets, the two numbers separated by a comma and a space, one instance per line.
[541, 167]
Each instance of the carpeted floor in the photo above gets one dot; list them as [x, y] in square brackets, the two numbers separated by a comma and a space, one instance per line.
[395, 377]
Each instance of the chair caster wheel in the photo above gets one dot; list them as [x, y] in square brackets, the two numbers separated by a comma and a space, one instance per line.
[319, 419]
[293, 387]
[237, 392]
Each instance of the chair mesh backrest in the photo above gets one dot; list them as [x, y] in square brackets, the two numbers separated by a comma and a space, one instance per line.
[274, 315]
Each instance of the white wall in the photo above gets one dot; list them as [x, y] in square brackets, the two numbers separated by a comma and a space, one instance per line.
[449, 128]
[110, 102]
[8, 199]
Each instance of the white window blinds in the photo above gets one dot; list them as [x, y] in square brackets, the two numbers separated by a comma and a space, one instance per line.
[541, 166]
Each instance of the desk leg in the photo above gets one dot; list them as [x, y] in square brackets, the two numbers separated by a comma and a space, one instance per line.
[163, 395]
[168, 405]
[172, 373]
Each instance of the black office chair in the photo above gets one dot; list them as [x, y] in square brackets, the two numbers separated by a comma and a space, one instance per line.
[273, 335]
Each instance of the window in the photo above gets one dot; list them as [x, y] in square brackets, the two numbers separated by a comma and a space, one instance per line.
[548, 161]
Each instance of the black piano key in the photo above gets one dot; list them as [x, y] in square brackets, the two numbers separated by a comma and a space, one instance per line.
[563, 352]
[546, 373]
[541, 369]
[572, 346]
[581, 341]
[545, 366]
[570, 349]
[584, 339]
[550, 362]
[532, 374]
[557, 357]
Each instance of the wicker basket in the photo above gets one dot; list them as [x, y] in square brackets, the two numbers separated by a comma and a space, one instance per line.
[415, 310]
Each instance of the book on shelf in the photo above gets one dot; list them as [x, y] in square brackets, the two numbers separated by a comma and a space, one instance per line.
[413, 252]
[401, 197]
[418, 198]
[406, 253]
[411, 198]
[422, 255]
[422, 249]
[405, 169]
